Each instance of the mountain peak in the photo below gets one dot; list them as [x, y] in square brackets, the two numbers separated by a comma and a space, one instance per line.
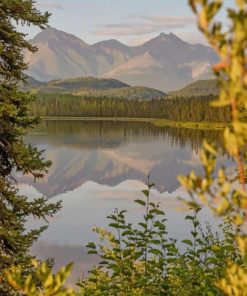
[112, 43]
[163, 38]
[46, 34]
[51, 34]
[170, 37]
[163, 35]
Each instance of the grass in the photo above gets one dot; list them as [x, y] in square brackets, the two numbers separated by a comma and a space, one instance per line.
[194, 125]
[157, 122]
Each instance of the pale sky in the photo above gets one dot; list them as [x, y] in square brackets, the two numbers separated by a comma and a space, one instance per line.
[129, 21]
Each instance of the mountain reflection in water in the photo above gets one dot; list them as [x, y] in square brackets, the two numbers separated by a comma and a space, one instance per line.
[102, 165]
[110, 152]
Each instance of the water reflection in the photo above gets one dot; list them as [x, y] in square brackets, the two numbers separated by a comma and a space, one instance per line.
[109, 153]
[102, 165]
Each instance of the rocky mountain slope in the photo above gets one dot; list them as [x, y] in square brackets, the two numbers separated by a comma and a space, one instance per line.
[165, 62]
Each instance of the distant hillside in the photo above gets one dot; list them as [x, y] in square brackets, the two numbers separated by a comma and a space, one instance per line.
[197, 88]
[165, 62]
[130, 93]
[95, 87]
[74, 84]
[88, 83]
[31, 83]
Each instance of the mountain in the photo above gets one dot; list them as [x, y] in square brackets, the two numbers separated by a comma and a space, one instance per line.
[197, 88]
[165, 62]
[114, 52]
[94, 87]
[88, 83]
[60, 54]
[147, 70]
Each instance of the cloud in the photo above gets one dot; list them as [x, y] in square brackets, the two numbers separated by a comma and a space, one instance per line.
[142, 25]
[49, 5]
[125, 29]
[176, 21]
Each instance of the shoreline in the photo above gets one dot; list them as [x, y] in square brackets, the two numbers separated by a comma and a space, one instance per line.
[155, 121]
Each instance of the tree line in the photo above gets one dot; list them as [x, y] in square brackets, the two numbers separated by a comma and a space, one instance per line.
[118, 130]
[194, 109]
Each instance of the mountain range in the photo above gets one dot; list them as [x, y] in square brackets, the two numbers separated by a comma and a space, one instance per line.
[165, 62]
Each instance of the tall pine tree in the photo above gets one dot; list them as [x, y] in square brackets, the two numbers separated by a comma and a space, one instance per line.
[15, 154]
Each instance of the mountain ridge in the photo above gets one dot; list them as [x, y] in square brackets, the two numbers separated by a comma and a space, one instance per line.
[175, 63]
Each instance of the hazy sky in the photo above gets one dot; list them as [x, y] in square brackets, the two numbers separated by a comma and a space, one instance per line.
[130, 21]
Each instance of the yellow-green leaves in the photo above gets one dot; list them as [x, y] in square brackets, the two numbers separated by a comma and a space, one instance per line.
[241, 3]
[235, 282]
[227, 195]
[231, 71]
[50, 285]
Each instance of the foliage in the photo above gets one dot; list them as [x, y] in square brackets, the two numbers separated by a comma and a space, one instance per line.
[52, 285]
[229, 191]
[144, 260]
[123, 93]
[15, 155]
[196, 109]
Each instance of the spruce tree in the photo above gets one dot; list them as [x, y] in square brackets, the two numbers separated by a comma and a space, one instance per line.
[15, 154]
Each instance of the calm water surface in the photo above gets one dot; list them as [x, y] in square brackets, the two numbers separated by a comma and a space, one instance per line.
[102, 165]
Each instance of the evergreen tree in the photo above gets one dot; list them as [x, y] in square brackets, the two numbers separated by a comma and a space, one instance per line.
[194, 109]
[15, 154]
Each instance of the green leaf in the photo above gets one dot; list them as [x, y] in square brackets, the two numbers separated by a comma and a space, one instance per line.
[146, 192]
[141, 202]
[187, 242]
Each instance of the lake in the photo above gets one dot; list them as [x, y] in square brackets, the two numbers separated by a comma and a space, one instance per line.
[102, 165]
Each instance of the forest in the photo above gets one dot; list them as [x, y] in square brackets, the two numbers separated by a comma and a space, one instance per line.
[185, 109]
